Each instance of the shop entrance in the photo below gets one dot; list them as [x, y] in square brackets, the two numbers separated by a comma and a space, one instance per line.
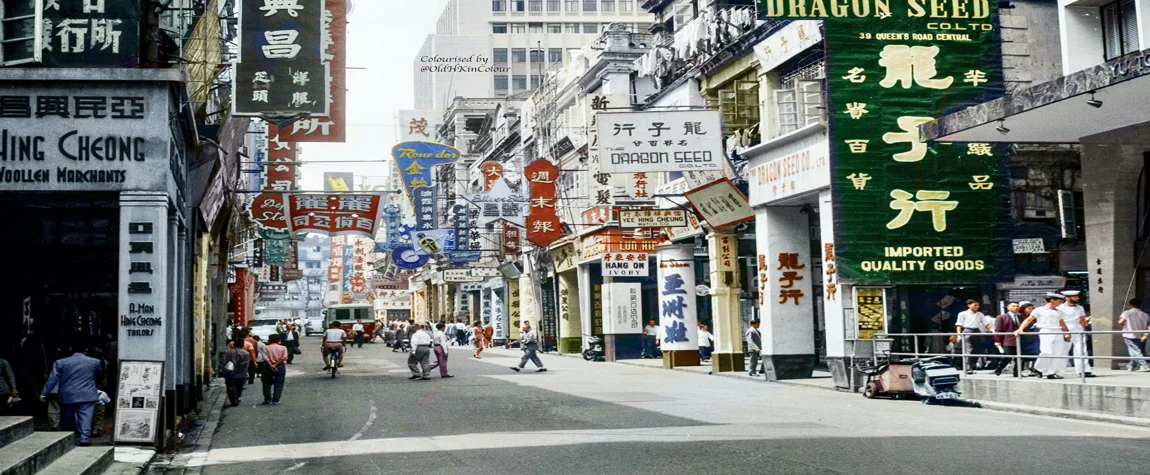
[930, 309]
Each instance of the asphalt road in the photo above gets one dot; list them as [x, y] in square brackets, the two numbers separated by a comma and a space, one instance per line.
[603, 418]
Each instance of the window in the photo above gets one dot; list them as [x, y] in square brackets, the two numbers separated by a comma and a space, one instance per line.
[501, 85]
[535, 5]
[518, 28]
[535, 28]
[555, 55]
[684, 12]
[1119, 29]
[519, 83]
[590, 5]
[572, 5]
[573, 28]
[518, 55]
[535, 81]
[498, 5]
[625, 6]
[500, 55]
[553, 5]
[518, 5]
[608, 5]
[499, 28]
[590, 28]
[554, 28]
[313, 264]
[536, 56]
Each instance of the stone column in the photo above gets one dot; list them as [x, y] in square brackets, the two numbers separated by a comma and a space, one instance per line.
[570, 319]
[144, 281]
[678, 320]
[835, 295]
[723, 252]
[787, 308]
[529, 303]
[514, 314]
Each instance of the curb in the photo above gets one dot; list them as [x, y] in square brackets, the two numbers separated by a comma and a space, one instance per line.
[1062, 414]
[199, 444]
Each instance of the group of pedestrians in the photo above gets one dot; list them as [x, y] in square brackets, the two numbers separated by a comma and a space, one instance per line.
[425, 341]
[247, 356]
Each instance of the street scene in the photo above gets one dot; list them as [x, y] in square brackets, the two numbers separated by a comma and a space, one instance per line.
[579, 236]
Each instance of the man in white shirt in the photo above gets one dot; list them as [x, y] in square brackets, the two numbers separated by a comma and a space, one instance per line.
[970, 323]
[439, 346]
[651, 340]
[419, 360]
[1076, 321]
[1134, 323]
[705, 338]
[358, 330]
[333, 342]
[754, 345]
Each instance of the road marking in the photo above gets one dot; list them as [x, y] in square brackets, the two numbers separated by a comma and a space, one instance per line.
[366, 425]
[429, 396]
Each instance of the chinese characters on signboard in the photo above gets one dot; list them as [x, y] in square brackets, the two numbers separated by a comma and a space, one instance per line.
[511, 240]
[543, 225]
[415, 161]
[721, 204]
[625, 309]
[678, 319]
[625, 264]
[663, 141]
[141, 318]
[653, 218]
[418, 126]
[492, 172]
[78, 33]
[908, 211]
[601, 185]
[281, 65]
[501, 203]
[334, 214]
[426, 212]
[332, 128]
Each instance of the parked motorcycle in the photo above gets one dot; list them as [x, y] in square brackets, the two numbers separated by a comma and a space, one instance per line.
[934, 380]
[594, 351]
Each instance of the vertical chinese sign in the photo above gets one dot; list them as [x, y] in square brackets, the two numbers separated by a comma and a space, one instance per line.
[332, 128]
[543, 225]
[281, 65]
[907, 211]
[492, 172]
[74, 33]
[602, 181]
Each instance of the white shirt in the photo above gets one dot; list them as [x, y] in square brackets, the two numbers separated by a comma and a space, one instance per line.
[1046, 318]
[652, 330]
[971, 321]
[334, 335]
[1070, 316]
[420, 338]
[439, 338]
[704, 338]
[358, 327]
[260, 347]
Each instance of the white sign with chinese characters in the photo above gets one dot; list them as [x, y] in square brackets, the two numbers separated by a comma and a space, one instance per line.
[787, 43]
[625, 264]
[1029, 246]
[660, 141]
[653, 218]
[721, 204]
[798, 168]
[460, 275]
[418, 126]
[502, 203]
[624, 305]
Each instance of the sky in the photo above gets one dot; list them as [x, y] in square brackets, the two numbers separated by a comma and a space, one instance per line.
[384, 37]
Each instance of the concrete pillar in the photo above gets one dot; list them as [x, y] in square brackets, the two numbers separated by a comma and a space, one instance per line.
[678, 320]
[570, 319]
[727, 322]
[835, 295]
[514, 295]
[1111, 164]
[787, 308]
[585, 302]
[529, 303]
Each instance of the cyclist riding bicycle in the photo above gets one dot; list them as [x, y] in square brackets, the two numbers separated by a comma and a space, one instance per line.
[333, 344]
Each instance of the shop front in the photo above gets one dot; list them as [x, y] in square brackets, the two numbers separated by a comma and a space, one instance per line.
[617, 287]
[569, 327]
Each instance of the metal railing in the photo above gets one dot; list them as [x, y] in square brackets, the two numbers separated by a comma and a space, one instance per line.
[1018, 357]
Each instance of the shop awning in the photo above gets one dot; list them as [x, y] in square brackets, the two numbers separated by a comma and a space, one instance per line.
[1058, 111]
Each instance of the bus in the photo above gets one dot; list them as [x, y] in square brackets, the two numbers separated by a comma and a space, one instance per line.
[347, 314]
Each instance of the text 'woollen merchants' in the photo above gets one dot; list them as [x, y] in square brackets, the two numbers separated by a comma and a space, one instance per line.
[702, 159]
[958, 9]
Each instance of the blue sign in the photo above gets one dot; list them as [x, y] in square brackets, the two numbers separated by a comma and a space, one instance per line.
[405, 257]
[426, 213]
[391, 229]
[416, 159]
[459, 258]
[348, 266]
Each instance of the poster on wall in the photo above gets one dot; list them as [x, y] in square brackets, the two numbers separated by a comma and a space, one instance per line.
[907, 211]
[138, 401]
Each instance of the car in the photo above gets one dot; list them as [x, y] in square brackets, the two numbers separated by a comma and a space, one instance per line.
[263, 328]
[313, 326]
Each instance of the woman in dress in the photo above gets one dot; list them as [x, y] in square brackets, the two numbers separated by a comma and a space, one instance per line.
[480, 342]
[1053, 339]
[1029, 340]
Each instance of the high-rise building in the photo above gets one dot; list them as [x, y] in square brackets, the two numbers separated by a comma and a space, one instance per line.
[499, 48]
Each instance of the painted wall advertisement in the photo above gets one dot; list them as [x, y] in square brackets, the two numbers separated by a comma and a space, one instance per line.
[908, 211]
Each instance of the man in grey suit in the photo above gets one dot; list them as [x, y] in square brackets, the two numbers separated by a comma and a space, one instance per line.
[74, 378]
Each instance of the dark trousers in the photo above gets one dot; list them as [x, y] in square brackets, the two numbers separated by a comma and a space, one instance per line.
[359, 339]
[78, 416]
[235, 389]
[704, 353]
[1008, 355]
[650, 350]
[252, 374]
[754, 362]
[273, 379]
[440, 360]
[292, 347]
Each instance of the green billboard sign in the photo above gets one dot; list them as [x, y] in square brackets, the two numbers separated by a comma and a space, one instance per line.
[906, 211]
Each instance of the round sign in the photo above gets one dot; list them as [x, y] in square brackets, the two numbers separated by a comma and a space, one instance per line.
[702, 290]
[406, 257]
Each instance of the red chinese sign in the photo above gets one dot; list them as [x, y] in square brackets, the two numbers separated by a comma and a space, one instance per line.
[333, 127]
[492, 171]
[280, 169]
[354, 215]
[268, 211]
[511, 237]
[543, 225]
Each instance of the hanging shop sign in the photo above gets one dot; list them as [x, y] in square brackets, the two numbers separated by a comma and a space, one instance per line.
[692, 229]
[561, 148]
[423, 199]
[111, 137]
[405, 257]
[601, 185]
[542, 224]
[800, 171]
[618, 241]
[433, 241]
[280, 166]
[460, 275]
[338, 182]
[501, 203]
[72, 33]
[906, 211]
[721, 204]
[624, 308]
[492, 172]
[390, 229]
[656, 218]
[418, 126]
[625, 264]
[275, 251]
[660, 141]
[1029, 246]
[786, 43]
[467, 247]
[415, 160]
[564, 257]
[269, 211]
[678, 316]
[281, 65]
[332, 128]
[511, 239]
[344, 214]
[637, 186]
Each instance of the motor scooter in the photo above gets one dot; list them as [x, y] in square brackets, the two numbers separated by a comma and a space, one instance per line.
[594, 351]
[934, 380]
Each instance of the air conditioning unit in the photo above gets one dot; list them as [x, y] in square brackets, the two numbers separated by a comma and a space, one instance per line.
[1038, 213]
